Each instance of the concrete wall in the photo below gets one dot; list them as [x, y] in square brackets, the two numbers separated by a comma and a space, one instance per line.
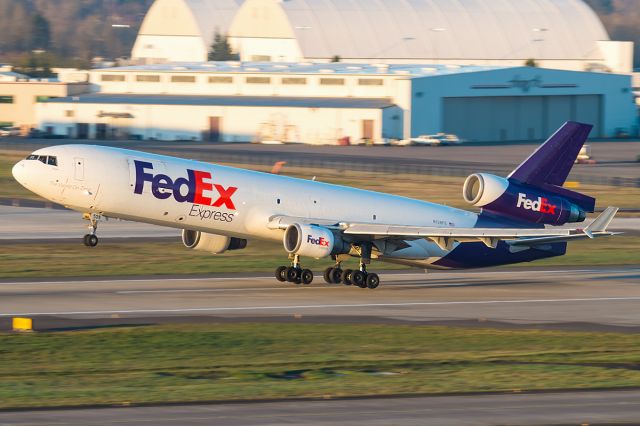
[237, 123]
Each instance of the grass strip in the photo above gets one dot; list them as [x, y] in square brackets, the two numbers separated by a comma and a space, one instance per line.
[188, 363]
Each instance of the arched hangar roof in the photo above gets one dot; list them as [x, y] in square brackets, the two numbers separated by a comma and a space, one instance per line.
[419, 29]
[199, 18]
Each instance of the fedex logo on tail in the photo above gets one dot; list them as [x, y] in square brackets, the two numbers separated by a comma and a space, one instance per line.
[321, 241]
[190, 189]
[541, 205]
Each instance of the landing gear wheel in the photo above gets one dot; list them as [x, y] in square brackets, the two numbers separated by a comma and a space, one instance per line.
[90, 240]
[281, 273]
[373, 281]
[327, 275]
[346, 276]
[359, 278]
[306, 276]
[293, 274]
[336, 275]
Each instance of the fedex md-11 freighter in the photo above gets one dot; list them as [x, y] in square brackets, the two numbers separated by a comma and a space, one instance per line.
[219, 208]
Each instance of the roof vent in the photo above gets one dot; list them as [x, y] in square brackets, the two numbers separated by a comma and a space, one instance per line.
[326, 70]
[354, 68]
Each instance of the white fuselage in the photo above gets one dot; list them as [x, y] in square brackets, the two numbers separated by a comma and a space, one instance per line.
[103, 180]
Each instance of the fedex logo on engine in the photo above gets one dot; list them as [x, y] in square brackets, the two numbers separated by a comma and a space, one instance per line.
[190, 189]
[320, 241]
[541, 205]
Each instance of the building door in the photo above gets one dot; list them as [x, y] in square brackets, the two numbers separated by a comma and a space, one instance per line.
[79, 168]
[82, 131]
[367, 130]
[214, 129]
[101, 131]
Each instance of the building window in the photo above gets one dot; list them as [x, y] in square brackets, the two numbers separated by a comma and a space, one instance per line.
[370, 82]
[258, 80]
[221, 79]
[332, 81]
[183, 78]
[148, 78]
[294, 80]
[112, 77]
[6, 99]
[69, 113]
[44, 98]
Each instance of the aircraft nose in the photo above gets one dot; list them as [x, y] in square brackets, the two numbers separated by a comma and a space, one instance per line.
[18, 171]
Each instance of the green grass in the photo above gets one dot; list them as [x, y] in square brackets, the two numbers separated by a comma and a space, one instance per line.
[168, 258]
[171, 363]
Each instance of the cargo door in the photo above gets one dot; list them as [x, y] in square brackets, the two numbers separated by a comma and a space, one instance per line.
[158, 167]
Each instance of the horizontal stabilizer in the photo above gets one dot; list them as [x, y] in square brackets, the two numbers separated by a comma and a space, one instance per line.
[601, 223]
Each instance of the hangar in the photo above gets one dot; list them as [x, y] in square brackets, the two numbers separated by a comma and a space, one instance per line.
[323, 103]
[563, 34]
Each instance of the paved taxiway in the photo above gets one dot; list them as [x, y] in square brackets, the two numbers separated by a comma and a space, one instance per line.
[575, 408]
[608, 296]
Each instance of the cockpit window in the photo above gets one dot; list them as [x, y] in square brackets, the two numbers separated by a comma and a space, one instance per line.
[45, 159]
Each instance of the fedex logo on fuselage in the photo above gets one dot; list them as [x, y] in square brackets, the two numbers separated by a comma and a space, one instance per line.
[190, 189]
[321, 241]
[541, 205]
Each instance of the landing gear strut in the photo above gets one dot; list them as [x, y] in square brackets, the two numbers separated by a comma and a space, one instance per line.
[91, 239]
[294, 273]
[361, 277]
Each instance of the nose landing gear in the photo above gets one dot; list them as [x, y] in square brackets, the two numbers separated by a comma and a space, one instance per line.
[91, 239]
[294, 273]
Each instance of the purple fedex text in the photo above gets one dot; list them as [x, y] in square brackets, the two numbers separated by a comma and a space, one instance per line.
[196, 182]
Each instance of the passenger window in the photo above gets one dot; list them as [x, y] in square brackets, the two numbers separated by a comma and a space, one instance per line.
[52, 161]
[43, 158]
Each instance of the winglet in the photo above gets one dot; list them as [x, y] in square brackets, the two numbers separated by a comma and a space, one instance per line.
[601, 222]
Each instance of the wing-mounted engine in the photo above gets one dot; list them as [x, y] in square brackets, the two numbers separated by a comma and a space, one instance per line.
[506, 197]
[313, 241]
[212, 243]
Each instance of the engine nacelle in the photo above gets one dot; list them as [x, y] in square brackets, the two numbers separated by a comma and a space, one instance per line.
[313, 241]
[518, 201]
[212, 243]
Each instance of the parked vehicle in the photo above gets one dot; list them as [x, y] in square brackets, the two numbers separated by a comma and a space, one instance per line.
[435, 140]
[10, 131]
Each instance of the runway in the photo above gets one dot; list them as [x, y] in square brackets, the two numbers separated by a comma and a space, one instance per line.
[567, 298]
[574, 408]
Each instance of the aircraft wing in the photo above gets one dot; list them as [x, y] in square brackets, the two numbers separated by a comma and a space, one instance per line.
[445, 237]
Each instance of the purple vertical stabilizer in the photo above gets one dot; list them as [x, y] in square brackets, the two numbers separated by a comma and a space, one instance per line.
[552, 161]
[548, 167]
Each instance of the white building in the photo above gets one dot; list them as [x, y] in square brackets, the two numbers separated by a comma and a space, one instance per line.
[561, 34]
[323, 103]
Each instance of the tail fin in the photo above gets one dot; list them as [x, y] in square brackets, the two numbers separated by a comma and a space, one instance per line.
[548, 167]
[552, 161]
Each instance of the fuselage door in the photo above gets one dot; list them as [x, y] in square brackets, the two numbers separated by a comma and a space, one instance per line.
[158, 167]
[79, 168]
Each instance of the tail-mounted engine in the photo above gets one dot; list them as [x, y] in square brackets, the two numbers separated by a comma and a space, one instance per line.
[313, 241]
[518, 201]
[212, 243]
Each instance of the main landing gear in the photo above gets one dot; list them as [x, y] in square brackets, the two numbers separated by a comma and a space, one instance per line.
[91, 239]
[334, 274]
[359, 277]
[294, 273]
